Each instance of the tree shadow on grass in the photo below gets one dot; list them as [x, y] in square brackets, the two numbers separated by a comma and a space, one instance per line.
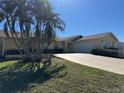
[18, 77]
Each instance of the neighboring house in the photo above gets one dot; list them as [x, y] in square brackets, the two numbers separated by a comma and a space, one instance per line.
[98, 41]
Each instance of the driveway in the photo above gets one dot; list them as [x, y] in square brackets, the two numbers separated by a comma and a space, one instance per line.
[104, 63]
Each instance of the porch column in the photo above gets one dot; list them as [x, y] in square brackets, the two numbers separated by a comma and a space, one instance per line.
[3, 50]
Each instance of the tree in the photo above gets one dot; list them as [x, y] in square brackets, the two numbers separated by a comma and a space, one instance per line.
[32, 25]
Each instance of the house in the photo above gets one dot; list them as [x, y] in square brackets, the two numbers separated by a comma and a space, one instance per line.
[6, 43]
[97, 41]
[85, 44]
[66, 42]
[73, 44]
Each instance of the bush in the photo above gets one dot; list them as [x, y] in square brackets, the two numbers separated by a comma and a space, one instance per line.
[55, 50]
[106, 52]
[17, 52]
[12, 52]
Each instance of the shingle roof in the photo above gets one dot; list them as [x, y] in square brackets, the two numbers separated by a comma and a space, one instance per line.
[95, 36]
[70, 38]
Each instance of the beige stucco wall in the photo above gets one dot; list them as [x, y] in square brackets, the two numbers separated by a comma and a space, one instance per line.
[60, 44]
[1, 44]
[88, 45]
[9, 44]
[110, 41]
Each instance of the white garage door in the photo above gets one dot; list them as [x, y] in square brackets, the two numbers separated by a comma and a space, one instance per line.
[84, 47]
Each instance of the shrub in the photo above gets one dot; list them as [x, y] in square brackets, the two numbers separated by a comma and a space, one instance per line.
[17, 52]
[12, 52]
[55, 50]
[105, 52]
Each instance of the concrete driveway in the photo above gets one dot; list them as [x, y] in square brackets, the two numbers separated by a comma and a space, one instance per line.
[104, 63]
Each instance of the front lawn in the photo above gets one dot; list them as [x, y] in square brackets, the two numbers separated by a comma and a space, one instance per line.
[61, 77]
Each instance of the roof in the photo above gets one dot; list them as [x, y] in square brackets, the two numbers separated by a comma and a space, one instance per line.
[97, 36]
[70, 38]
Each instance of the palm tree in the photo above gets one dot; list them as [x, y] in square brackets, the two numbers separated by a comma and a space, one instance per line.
[32, 25]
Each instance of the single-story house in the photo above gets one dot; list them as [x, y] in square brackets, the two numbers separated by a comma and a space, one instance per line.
[85, 44]
[98, 41]
[61, 42]
[72, 44]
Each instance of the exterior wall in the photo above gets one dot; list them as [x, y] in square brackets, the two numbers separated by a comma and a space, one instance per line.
[1, 47]
[121, 49]
[9, 44]
[66, 45]
[87, 45]
[110, 42]
[60, 44]
[75, 46]
[69, 47]
[52, 46]
[1, 44]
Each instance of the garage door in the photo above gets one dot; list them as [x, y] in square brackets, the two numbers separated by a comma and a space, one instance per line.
[84, 47]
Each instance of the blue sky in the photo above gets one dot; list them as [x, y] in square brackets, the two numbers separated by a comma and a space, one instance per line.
[88, 17]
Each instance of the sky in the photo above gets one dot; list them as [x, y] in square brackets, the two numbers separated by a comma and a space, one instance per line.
[87, 17]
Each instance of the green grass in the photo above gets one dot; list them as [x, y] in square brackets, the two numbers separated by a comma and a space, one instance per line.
[61, 77]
